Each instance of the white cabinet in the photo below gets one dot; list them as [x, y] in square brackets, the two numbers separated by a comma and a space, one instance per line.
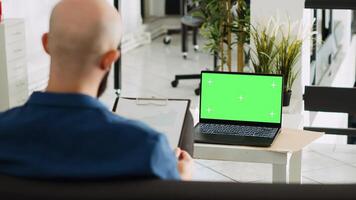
[13, 70]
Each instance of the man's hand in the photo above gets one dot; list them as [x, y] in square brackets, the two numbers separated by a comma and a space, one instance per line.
[185, 164]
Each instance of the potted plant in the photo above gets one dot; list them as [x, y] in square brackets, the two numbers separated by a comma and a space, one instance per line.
[265, 50]
[289, 51]
[276, 53]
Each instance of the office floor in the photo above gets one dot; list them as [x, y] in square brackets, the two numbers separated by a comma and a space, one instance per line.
[148, 71]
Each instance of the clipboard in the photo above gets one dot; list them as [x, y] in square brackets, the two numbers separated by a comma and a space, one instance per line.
[170, 117]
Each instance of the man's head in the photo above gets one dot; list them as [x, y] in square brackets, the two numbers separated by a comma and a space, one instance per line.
[82, 42]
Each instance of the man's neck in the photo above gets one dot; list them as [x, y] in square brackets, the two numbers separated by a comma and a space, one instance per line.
[73, 87]
[71, 81]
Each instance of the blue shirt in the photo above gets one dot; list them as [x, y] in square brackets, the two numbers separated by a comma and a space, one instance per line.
[73, 136]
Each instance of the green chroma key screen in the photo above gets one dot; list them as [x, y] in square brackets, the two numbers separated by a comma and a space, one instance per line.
[239, 97]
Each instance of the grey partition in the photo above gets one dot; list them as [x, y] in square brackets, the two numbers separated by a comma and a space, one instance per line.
[331, 4]
[330, 99]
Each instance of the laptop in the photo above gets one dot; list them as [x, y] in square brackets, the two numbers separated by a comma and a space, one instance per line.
[239, 109]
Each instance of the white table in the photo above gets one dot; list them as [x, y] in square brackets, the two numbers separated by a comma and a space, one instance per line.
[285, 154]
[286, 165]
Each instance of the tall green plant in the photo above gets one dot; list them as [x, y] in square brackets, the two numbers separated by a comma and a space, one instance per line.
[265, 50]
[221, 20]
[276, 53]
[289, 51]
[229, 34]
[213, 28]
[241, 28]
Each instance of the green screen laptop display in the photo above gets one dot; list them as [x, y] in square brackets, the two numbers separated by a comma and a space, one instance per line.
[238, 97]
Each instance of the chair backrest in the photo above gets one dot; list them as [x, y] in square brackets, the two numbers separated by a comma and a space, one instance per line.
[330, 99]
[14, 188]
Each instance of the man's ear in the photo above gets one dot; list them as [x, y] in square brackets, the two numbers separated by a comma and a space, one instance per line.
[45, 43]
[108, 59]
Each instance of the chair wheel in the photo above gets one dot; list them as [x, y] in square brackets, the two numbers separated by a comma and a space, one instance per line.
[196, 48]
[185, 56]
[167, 40]
[175, 83]
[197, 91]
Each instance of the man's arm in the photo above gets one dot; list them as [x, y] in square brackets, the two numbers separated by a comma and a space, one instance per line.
[166, 165]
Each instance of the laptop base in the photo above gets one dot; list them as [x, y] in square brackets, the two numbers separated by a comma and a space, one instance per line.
[231, 139]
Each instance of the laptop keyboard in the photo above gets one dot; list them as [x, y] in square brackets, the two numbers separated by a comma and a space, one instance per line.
[236, 130]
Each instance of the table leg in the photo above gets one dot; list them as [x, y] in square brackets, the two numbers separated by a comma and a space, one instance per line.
[279, 173]
[295, 168]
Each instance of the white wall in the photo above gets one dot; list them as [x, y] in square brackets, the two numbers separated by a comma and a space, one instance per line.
[345, 17]
[36, 14]
[131, 15]
[156, 7]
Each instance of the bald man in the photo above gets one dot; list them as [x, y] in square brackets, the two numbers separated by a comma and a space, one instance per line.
[65, 132]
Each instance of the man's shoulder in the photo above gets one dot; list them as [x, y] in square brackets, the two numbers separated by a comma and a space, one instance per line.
[128, 125]
[9, 113]
[10, 119]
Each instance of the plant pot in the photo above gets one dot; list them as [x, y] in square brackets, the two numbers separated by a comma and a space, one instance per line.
[286, 98]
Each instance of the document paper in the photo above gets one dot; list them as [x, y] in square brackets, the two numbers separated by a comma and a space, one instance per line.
[167, 117]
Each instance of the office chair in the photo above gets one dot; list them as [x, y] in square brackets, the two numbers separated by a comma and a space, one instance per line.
[188, 22]
[331, 99]
[197, 91]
